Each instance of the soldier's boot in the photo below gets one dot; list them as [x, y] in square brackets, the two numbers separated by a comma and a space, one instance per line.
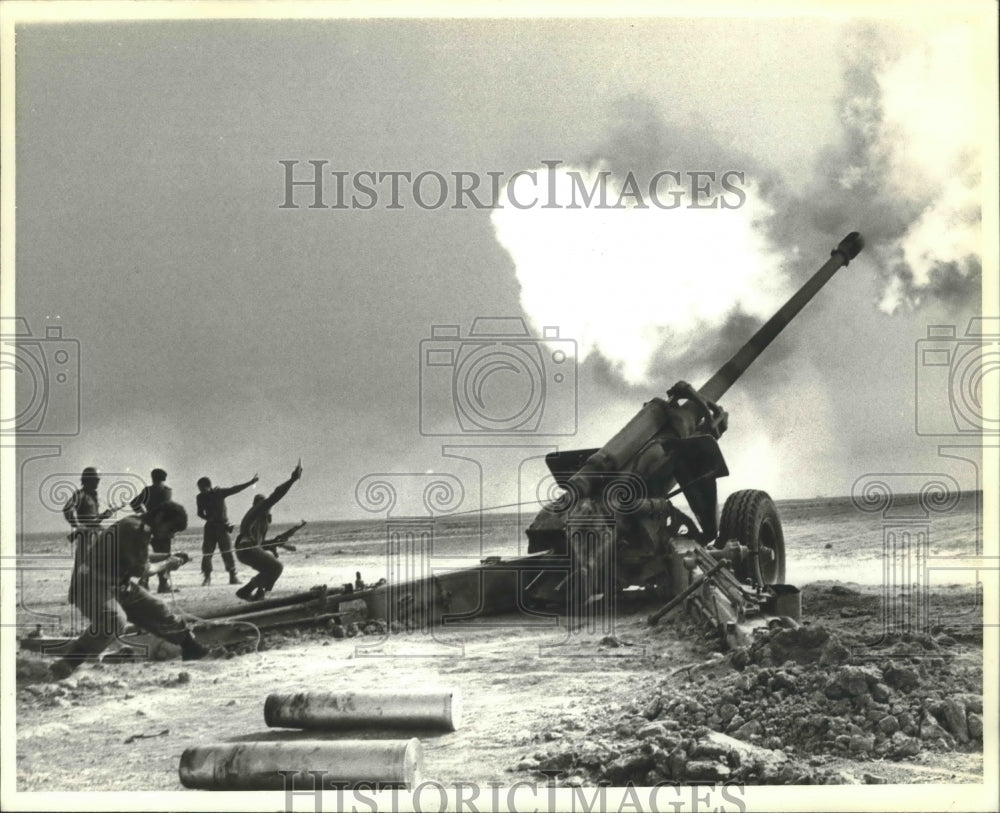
[207, 580]
[247, 590]
[233, 578]
[67, 665]
[192, 649]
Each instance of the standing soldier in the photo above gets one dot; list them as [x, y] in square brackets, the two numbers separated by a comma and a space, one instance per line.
[84, 515]
[251, 541]
[83, 509]
[106, 595]
[212, 509]
[153, 496]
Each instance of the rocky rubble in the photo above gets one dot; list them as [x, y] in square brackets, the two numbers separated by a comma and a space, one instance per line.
[778, 711]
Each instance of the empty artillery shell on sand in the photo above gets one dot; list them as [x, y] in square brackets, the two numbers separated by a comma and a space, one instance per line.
[439, 710]
[334, 764]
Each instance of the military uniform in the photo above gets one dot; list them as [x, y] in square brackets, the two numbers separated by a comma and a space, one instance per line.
[83, 513]
[212, 509]
[250, 547]
[145, 501]
[106, 595]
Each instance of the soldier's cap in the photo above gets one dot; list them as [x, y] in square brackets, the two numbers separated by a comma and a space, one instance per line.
[89, 472]
[158, 475]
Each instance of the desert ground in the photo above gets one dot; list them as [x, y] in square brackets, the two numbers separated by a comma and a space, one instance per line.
[851, 697]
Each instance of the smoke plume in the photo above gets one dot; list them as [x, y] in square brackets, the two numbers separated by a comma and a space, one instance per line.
[650, 288]
[905, 168]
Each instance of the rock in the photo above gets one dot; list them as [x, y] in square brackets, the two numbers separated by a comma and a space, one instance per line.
[902, 677]
[707, 748]
[930, 729]
[904, 746]
[954, 717]
[888, 725]
[748, 729]
[591, 755]
[840, 590]
[975, 724]
[782, 681]
[573, 781]
[801, 645]
[881, 693]
[861, 743]
[907, 722]
[528, 765]
[704, 770]
[653, 708]
[852, 681]
[726, 712]
[973, 703]
[872, 779]
[739, 658]
[557, 762]
[834, 653]
[651, 730]
[676, 763]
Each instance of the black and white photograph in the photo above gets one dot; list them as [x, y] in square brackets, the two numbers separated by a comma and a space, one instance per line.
[493, 407]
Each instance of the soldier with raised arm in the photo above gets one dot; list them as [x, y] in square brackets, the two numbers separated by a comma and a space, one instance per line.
[251, 540]
[212, 509]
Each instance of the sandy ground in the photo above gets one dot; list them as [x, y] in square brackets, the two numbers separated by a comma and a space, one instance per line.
[518, 684]
[524, 685]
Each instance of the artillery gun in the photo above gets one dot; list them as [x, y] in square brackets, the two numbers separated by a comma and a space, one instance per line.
[615, 525]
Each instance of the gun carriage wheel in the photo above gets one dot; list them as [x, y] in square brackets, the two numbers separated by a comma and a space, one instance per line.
[750, 517]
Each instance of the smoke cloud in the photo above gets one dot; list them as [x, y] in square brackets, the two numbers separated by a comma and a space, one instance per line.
[905, 169]
[652, 289]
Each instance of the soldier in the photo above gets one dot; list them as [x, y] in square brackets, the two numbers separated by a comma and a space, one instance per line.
[108, 597]
[153, 496]
[251, 540]
[212, 509]
[84, 515]
[83, 509]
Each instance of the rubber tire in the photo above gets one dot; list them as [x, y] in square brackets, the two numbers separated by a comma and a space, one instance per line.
[750, 517]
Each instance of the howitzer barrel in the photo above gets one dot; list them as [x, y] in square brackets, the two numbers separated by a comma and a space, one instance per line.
[719, 383]
[623, 452]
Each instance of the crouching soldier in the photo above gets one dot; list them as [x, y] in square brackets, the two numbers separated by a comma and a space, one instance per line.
[251, 544]
[105, 593]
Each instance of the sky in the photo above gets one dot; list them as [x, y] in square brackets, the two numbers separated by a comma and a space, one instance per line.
[222, 333]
